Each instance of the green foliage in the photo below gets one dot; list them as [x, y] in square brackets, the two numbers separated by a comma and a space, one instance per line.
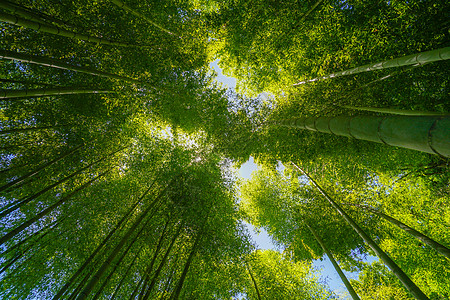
[152, 161]
[281, 278]
[376, 282]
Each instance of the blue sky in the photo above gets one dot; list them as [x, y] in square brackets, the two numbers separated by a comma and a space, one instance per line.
[263, 240]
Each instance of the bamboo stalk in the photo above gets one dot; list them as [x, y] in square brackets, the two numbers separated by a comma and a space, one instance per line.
[29, 14]
[254, 281]
[38, 169]
[420, 236]
[161, 265]
[41, 27]
[395, 111]
[17, 130]
[418, 58]
[152, 262]
[113, 296]
[139, 15]
[101, 245]
[49, 209]
[398, 272]
[428, 134]
[55, 63]
[96, 277]
[335, 264]
[28, 93]
[34, 196]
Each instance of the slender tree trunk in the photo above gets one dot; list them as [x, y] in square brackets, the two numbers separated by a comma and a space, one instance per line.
[406, 281]
[90, 285]
[80, 285]
[30, 198]
[425, 239]
[18, 187]
[139, 15]
[134, 239]
[419, 58]
[305, 15]
[427, 134]
[100, 246]
[177, 291]
[170, 279]
[155, 255]
[18, 130]
[40, 168]
[116, 265]
[161, 264]
[13, 260]
[49, 209]
[135, 291]
[335, 264]
[119, 285]
[42, 27]
[29, 93]
[22, 253]
[40, 234]
[55, 63]
[29, 14]
[394, 111]
[253, 280]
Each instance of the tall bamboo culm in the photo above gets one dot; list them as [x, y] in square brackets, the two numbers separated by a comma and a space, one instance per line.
[418, 58]
[398, 272]
[429, 134]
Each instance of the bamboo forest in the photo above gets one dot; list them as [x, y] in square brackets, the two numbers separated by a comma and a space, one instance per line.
[120, 149]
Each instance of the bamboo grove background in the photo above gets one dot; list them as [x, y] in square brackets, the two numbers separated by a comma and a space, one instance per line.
[117, 148]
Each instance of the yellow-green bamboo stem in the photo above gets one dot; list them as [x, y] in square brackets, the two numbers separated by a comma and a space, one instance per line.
[11, 19]
[334, 262]
[398, 272]
[15, 9]
[29, 14]
[55, 63]
[419, 58]
[423, 133]
[394, 111]
[253, 280]
[96, 277]
[139, 15]
[418, 235]
[11, 94]
[29, 129]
